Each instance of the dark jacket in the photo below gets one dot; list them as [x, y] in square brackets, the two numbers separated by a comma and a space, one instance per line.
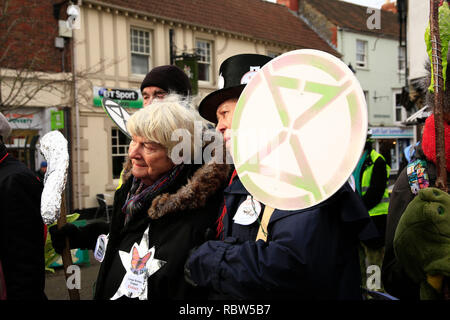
[373, 196]
[178, 218]
[21, 230]
[394, 278]
[309, 254]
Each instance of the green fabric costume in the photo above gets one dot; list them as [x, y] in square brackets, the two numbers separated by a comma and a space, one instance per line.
[422, 239]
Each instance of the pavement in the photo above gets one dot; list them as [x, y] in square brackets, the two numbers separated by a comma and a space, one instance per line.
[55, 283]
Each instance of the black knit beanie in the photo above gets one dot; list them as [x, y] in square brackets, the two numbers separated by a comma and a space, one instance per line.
[169, 78]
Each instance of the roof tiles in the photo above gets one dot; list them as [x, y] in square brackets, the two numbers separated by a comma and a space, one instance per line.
[257, 19]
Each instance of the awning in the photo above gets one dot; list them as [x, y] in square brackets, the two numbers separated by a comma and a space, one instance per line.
[418, 117]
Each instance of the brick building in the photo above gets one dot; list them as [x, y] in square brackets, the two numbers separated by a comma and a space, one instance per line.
[35, 75]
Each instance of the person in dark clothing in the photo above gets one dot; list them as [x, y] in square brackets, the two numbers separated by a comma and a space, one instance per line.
[394, 277]
[300, 254]
[419, 174]
[22, 231]
[160, 213]
[371, 177]
[42, 170]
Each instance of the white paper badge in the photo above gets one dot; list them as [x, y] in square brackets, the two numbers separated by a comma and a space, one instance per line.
[100, 247]
[248, 212]
[139, 264]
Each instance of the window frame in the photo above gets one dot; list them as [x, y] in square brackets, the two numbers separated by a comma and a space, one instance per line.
[115, 133]
[363, 64]
[210, 63]
[134, 52]
[402, 108]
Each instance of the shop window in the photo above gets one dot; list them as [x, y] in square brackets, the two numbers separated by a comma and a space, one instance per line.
[389, 150]
[21, 144]
[140, 51]
[204, 59]
[119, 144]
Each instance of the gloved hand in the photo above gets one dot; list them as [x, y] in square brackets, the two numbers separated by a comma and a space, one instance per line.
[83, 238]
[58, 237]
[187, 271]
[209, 235]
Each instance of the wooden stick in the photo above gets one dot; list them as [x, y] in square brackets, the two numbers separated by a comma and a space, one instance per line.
[441, 172]
[66, 255]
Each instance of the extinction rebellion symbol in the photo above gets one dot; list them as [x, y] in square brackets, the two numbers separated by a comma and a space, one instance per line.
[299, 129]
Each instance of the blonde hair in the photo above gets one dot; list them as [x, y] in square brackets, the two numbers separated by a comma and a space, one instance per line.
[158, 121]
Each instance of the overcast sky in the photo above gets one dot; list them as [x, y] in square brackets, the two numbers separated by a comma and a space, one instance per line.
[367, 3]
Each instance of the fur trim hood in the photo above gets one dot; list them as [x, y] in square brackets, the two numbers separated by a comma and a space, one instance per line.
[202, 185]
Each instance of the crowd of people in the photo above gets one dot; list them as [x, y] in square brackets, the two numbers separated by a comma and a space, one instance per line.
[173, 232]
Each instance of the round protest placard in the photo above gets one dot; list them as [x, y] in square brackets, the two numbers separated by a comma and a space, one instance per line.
[299, 129]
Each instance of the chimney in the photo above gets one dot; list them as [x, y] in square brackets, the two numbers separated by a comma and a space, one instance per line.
[291, 4]
[389, 6]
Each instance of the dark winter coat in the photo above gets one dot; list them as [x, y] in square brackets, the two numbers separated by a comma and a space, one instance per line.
[21, 230]
[309, 254]
[373, 196]
[178, 218]
[394, 278]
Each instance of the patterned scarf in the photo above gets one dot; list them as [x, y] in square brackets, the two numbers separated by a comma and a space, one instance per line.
[140, 194]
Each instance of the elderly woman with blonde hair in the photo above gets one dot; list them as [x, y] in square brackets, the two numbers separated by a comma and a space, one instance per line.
[164, 208]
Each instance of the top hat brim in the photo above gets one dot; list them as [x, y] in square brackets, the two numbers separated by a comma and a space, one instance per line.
[208, 106]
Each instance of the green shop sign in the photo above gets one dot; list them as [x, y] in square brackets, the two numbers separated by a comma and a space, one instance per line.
[127, 98]
[56, 120]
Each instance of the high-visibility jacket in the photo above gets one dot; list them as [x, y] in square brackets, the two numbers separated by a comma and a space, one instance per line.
[120, 180]
[382, 206]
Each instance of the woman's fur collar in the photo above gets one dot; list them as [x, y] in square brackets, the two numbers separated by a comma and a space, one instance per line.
[203, 184]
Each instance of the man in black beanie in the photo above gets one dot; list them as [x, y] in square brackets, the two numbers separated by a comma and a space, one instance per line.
[163, 80]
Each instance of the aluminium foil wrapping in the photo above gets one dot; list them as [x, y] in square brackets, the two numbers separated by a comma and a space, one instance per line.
[53, 147]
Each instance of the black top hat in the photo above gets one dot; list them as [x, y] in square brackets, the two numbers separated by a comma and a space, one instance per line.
[234, 73]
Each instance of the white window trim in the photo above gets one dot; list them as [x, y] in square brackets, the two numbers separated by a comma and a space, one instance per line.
[117, 145]
[211, 58]
[366, 60]
[403, 110]
[130, 52]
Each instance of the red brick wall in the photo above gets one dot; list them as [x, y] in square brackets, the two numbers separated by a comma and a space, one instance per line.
[27, 36]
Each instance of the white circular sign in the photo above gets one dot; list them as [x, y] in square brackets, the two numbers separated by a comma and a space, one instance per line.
[299, 129]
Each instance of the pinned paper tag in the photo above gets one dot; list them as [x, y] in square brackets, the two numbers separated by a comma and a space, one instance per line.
[140, 263]
[100, 247]
[248, 212]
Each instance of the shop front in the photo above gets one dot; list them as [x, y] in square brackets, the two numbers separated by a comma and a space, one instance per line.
[391, 143]
[28, 126]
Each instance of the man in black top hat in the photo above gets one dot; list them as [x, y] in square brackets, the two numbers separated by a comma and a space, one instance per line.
[305, 254]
